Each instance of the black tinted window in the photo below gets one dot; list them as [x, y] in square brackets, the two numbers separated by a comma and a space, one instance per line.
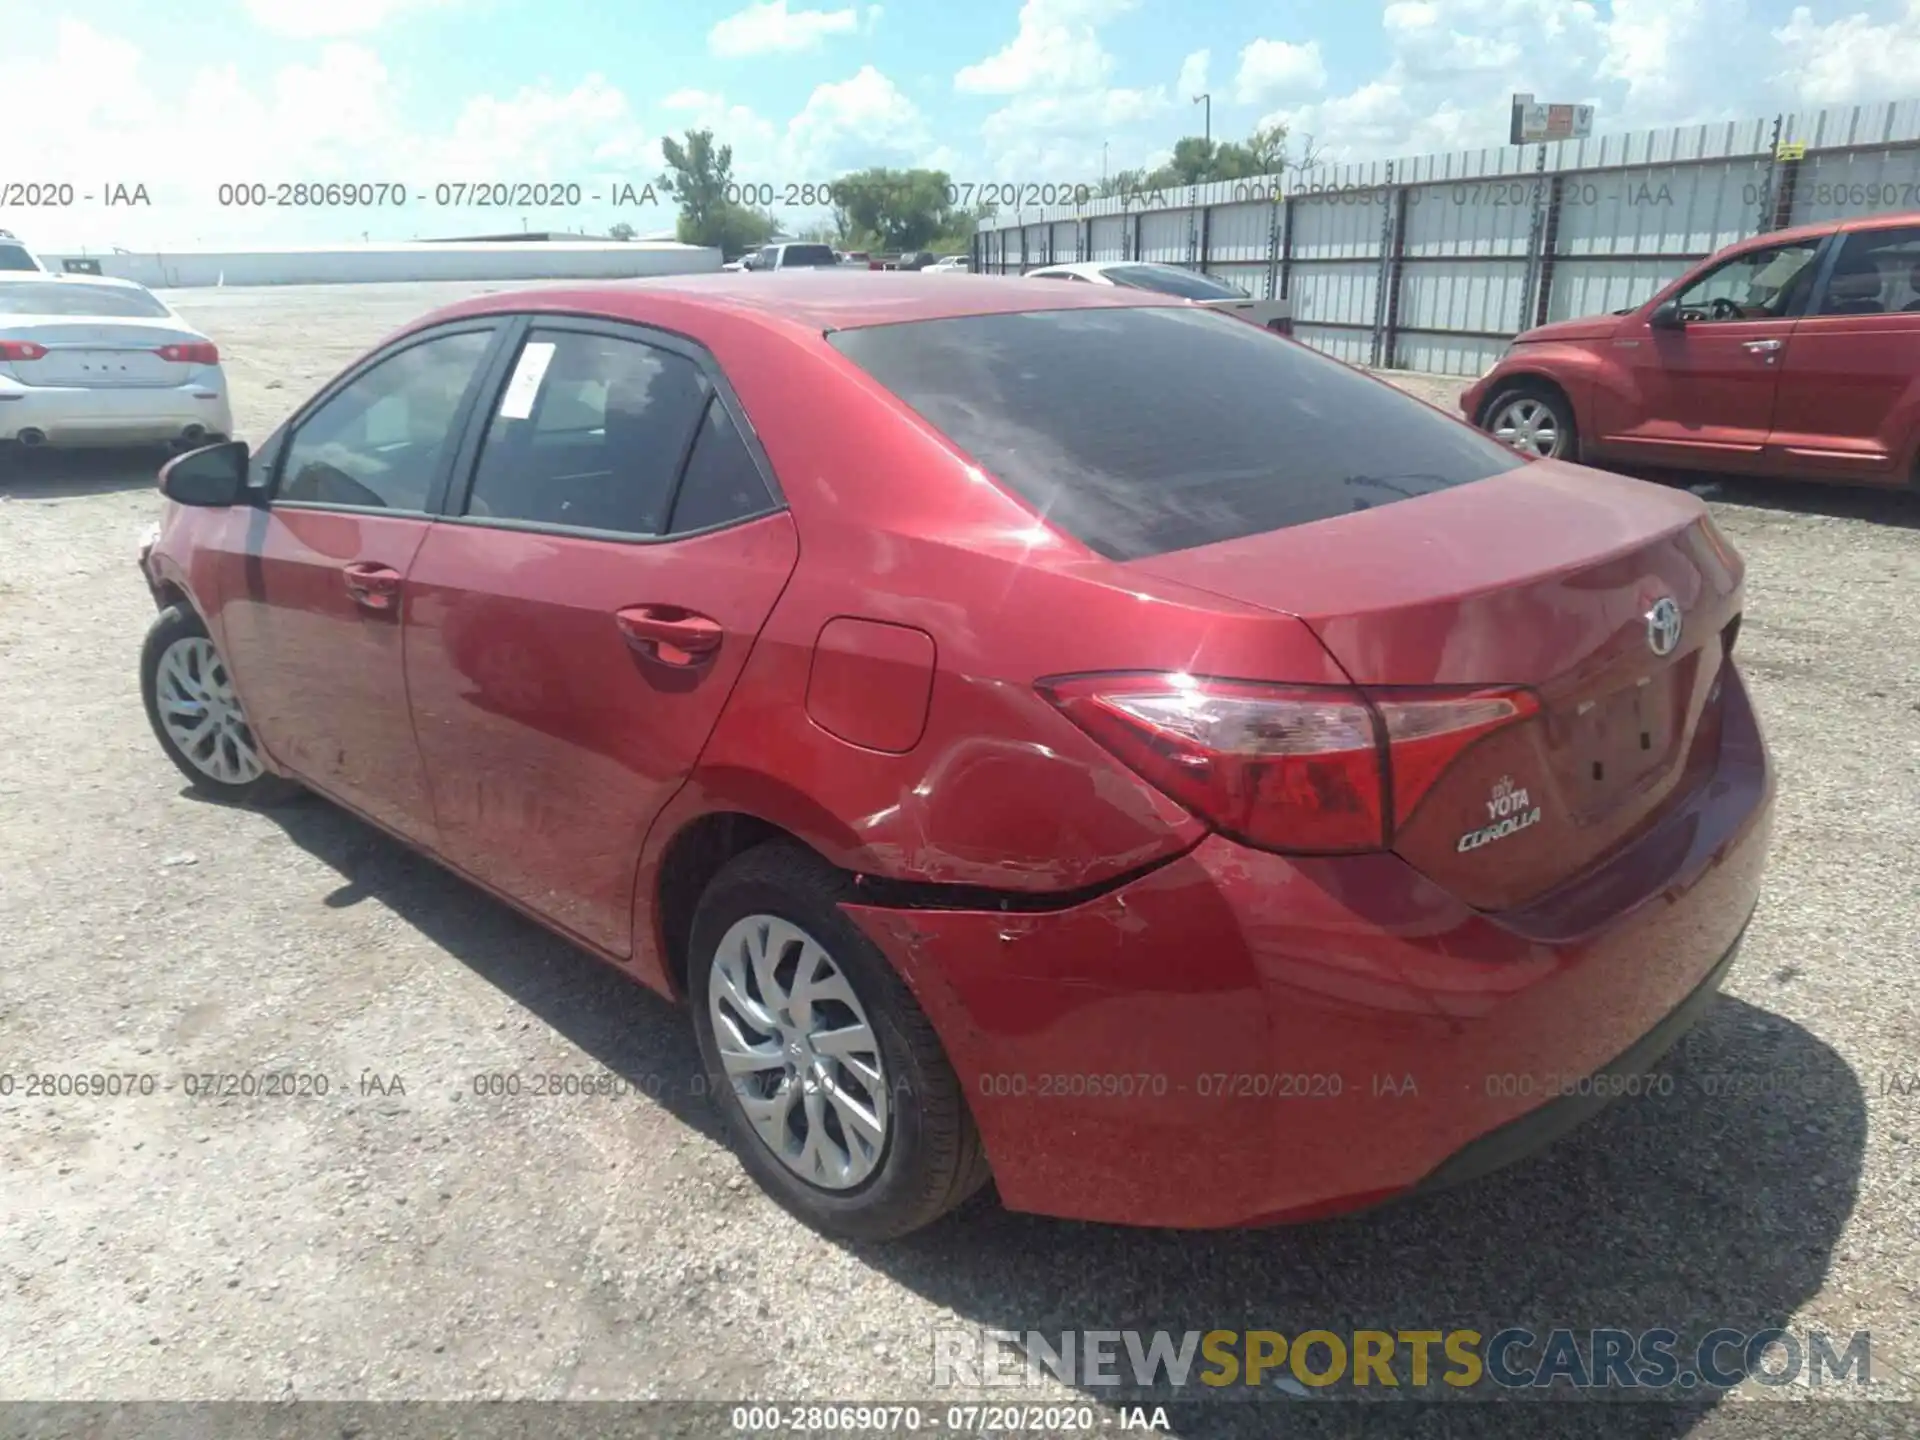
[13, 257]
[590, 431]
[381, 440]
[810, 255]
[722, 483]
[1166, 280]
[1140, 431]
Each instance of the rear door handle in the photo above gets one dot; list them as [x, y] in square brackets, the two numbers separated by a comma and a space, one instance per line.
[1762, 347]
[373, 587]
[669, 633]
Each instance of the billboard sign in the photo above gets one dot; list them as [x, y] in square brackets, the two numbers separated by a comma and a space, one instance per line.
[1534, 124]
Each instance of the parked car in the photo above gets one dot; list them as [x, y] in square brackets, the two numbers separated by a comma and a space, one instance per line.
[99, 361]
[794, 256]
[1789, 354]
[859, 258]
[1016, 770]
[14, 254]
[1173, 280]
[952, 262]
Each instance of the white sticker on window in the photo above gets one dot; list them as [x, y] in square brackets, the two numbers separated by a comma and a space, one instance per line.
[517, 403]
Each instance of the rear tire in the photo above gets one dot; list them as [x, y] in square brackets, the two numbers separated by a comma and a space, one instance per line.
[196, 717]
[1534, 419]
[928, 1157]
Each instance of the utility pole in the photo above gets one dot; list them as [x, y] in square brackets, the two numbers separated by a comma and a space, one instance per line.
[1103, 161]
[1207, 100]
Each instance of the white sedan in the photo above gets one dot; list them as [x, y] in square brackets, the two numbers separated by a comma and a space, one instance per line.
[1173, 280]
[98, 361]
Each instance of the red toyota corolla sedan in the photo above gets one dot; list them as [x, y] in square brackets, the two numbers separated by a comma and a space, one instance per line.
[1050, 733]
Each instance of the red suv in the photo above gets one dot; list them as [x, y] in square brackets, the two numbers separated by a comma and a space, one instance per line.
[1794, 354]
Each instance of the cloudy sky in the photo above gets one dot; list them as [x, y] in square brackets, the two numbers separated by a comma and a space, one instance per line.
[182, 97]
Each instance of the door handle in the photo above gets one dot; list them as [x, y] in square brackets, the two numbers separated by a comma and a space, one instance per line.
[1761, 347]
[669, 633]
[373, 587]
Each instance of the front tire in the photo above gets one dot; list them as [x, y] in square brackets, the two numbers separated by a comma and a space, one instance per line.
[829, 1080]
[1535, 420]
[196, 716]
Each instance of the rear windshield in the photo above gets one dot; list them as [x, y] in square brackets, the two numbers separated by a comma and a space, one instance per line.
[15, 257]
[810, 255]
[1144, 430]
[1169, 281]
[62, 297]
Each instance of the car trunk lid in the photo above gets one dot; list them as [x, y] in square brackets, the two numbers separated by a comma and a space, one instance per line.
[1550, 578]
[98, 353]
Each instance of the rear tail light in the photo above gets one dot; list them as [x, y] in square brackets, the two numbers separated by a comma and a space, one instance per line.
[1303, 769]
[199, 352]
[21, 350]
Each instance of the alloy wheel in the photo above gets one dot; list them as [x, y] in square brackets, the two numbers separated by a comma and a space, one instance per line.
[799, 1052]
[201, 714]
[1529, 425]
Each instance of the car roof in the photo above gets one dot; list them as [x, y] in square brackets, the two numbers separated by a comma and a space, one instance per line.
[818, 300]
[56, 277]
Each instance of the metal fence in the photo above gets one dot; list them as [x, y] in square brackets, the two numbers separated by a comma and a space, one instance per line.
[1435, 262]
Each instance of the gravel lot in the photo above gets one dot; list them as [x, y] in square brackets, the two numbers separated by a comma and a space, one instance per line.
[435, 1245]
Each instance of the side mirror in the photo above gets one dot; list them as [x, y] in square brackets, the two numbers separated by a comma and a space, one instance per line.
[1666, 316]
[213, 475]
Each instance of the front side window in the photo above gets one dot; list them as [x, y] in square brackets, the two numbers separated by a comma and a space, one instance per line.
[590, 432]
[1764, 284]
[1167, 280]
[380, 441]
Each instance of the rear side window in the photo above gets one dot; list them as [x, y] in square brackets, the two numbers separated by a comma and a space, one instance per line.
[722, 484]
[1142, 431]
[589, 432]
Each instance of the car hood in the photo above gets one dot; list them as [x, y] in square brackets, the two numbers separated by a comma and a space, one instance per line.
[1587, 327]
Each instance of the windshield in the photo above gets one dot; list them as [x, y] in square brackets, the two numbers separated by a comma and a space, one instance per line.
[1144, 430]
[1167, 280]
[62, 297]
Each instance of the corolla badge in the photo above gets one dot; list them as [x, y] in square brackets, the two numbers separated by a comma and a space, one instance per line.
[1508, 810]
[1663, 626]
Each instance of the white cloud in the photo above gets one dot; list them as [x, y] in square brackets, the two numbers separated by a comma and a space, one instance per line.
[1272, 69]
[843, 122]
[770, 28]
[1850, 59]
[319, 19]
[1055, 47]
[1193, 73]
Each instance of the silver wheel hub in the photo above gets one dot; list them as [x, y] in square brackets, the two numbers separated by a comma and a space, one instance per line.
[202, 715]
[800, 1055]
[1528, 425]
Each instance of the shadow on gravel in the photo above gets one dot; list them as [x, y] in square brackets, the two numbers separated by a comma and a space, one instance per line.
[57, 474]
[1897, 508]
[629, 1029]
[1691, 1211]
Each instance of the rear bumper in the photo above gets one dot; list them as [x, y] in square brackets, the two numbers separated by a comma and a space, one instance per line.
[133, 415]
[1241, 1038]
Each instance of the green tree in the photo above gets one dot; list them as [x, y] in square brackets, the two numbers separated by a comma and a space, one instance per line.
[1198, 161]
[700, 176]
[622, 231]
[898, 209]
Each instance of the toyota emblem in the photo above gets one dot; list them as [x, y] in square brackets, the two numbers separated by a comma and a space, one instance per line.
[1663, 626]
